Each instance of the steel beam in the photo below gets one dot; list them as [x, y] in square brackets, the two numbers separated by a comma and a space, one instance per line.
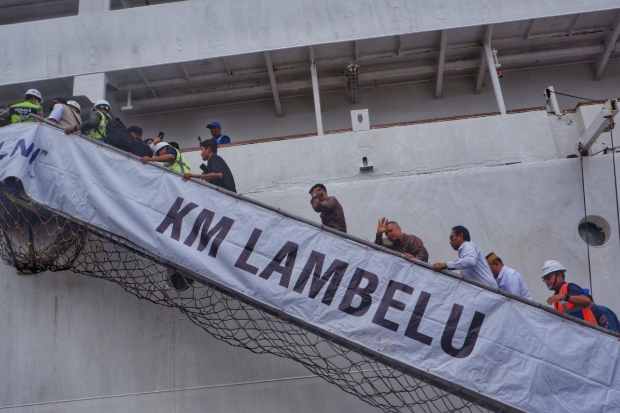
[315, 91]
[599, 125]
[227, 67]
[146, 82]
[481, 69]
[440, 66]
[494, 78]
[185, 72]
[242, 87]
[250, 88]
[530, 27]
[611, 47]
[274, 85]
[574, 24]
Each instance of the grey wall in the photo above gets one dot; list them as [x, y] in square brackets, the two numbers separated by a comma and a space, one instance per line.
[72, 343]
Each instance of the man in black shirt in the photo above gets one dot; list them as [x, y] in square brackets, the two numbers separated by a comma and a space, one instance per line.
[217, 172]
[139, 148]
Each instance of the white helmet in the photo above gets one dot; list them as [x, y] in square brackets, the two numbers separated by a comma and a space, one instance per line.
[102, 104]
[551, 267]
[159, 146]
[75, 105]
[35, 93]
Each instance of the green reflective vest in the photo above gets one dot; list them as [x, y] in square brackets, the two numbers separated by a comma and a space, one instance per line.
[179, 164]
[100, 133]
[23, 109]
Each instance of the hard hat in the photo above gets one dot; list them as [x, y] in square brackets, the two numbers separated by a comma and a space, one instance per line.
[35, 93]
[552, 266]
[160, 145]
[102, 104]
[75, 105]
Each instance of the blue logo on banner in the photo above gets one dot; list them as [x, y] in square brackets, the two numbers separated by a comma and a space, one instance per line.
[25, 151]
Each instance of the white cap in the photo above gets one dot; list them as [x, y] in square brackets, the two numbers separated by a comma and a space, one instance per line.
[75, 105]
[551, 267]
[34, 92]
[103, 103]
[159, 146]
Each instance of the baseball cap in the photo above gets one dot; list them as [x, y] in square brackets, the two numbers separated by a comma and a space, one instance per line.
[214, 125]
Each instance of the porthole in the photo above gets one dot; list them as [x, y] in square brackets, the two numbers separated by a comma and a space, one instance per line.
[594, 230]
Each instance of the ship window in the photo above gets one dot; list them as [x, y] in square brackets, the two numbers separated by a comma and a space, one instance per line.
[594, 230]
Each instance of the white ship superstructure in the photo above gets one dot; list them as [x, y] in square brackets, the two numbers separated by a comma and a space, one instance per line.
[458, 130]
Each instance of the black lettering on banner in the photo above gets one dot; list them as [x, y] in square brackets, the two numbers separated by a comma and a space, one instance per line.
[175, 217]
[388, 301]
[204, 220]
[470, 339]
[242, 261]
[354, 289]
[289, 250]
[416, 318]
[335, 272]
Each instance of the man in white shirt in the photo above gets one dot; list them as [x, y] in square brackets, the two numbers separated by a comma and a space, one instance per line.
[64, 114]
[507, 279]
[471, 262]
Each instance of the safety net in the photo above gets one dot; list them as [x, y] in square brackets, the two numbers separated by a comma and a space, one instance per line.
[35, 239]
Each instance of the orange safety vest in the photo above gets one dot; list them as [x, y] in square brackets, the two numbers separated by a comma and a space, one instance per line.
[568, 308]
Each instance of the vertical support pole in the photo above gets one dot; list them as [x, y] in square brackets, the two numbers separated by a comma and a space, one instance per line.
[481, 70]
[274, 85]
[552, 101]
[483, 63]
[315, 91]
[493, 72]
[442, 60]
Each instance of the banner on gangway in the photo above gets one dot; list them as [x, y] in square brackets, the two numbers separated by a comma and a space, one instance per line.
[500, 348]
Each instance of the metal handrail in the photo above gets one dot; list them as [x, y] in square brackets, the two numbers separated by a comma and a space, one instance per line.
[345, 235]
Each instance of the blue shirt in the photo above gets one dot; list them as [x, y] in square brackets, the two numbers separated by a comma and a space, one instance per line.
[220, 139]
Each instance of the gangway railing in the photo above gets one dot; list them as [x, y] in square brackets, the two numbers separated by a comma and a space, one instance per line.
[236, 316]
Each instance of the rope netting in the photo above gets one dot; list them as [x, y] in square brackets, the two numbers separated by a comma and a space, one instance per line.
[35, 239]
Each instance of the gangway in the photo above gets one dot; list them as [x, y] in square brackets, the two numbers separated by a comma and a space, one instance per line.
[379, 326]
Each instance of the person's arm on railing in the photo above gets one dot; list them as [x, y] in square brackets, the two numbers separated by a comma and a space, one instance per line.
[206, 177]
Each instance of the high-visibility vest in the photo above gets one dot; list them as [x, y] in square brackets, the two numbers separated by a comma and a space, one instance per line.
[100, 133]
[179, 164]
[23, 109]
[572, 309]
